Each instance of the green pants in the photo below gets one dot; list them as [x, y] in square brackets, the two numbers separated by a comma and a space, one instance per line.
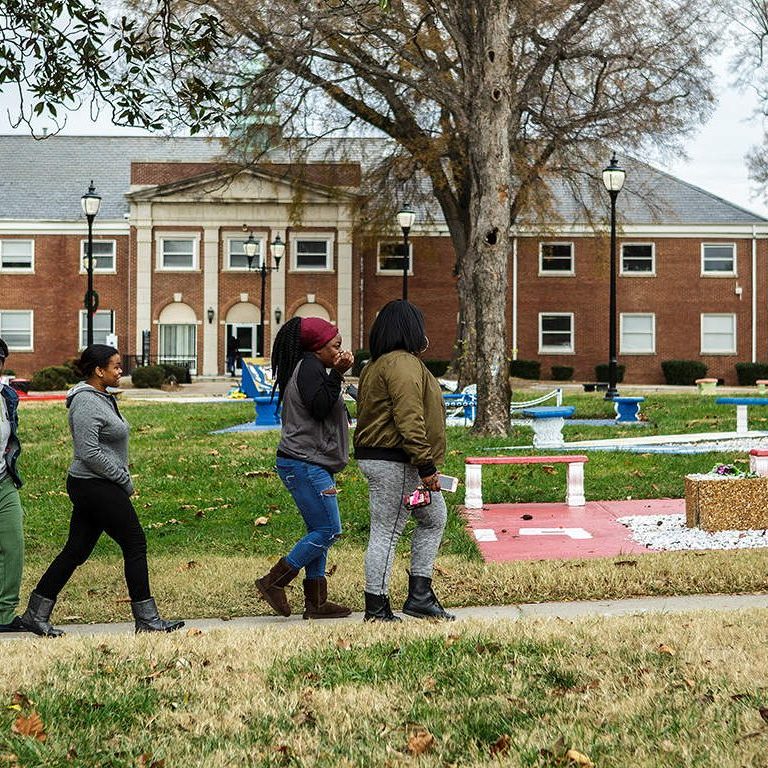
[11, 549]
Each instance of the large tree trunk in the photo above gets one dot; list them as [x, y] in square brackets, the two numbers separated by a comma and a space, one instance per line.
[484, 280]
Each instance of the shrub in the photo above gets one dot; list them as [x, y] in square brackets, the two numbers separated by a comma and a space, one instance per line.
[179, 372]
[148, 377]
[53, 377]
[683, 372]
[437, 367]
[601, 372]
[562, 372]
[525, 369]
[361, 356]
[749, 373]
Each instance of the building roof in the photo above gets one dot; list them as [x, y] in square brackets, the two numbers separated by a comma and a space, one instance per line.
[44, 179]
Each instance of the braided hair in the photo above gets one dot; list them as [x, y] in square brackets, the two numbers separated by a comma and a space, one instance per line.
[286, 353]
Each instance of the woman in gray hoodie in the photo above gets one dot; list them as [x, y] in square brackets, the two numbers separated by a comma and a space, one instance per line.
[99, 486]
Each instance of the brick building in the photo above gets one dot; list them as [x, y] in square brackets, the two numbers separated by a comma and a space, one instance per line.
[174, 283]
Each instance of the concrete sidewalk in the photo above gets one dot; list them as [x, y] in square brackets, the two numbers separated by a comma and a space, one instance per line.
[566, 611]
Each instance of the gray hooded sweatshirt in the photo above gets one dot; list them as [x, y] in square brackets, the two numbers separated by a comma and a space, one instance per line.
[99, 436]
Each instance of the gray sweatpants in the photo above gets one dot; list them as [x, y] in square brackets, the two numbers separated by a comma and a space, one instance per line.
[388, 481]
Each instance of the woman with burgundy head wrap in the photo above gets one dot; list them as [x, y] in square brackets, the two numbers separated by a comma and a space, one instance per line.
[309, 366]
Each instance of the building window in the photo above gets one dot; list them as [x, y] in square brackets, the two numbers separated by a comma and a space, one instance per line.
[637, 259]
[390, 261]
[556, 259]
[718, 259]
[178, 345]
[103, 326]
[312, 254]
[718, 334]
[103, 255]
[556, 333]
[236, 258]
[17, 255]
[16, 328]
[638, 334]
[178, 253]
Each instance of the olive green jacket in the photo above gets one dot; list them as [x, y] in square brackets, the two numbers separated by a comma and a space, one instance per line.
[400, 413]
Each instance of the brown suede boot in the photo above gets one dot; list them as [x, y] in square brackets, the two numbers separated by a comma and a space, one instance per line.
[272, 586]
[316, 603]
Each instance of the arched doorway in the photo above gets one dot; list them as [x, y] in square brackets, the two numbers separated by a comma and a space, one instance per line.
[312, 310]
[242, 323]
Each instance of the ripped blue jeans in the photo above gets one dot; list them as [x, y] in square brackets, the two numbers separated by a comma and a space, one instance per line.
[314, 491]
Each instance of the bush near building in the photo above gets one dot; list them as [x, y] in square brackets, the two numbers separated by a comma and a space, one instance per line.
[601, 372]
[748, 373]
[53, 377]
[525, 369]
[683, 372]
[148, 377]
[562, 372]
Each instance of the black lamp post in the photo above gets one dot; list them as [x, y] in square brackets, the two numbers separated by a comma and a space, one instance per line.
[90, 202]
[277, 247]
[613, 179]
[405, 218]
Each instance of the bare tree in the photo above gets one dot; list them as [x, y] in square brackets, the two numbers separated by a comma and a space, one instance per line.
[489, 101]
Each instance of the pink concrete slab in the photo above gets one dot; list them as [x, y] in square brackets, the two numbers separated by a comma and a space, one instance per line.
[556, 531]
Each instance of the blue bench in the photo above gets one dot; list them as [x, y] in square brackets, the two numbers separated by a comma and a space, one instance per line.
[256, 385]
[627, 408]
[548, 423]
[742, 404]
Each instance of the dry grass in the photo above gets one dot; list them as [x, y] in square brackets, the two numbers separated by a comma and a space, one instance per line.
[645, 691]
[223, 585]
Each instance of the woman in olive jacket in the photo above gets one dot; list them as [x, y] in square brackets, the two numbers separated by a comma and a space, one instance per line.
[399, 443]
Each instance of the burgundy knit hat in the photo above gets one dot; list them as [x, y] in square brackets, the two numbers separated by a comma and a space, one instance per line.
[316, 333]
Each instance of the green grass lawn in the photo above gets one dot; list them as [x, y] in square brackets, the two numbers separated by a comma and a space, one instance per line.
[216, 513]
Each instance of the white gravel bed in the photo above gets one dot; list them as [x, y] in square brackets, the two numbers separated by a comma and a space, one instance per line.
[669, 532]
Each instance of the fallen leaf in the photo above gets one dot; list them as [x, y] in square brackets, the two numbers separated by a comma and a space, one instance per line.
[625, 562]
[429, 685]
[343, 643]
[258, 473]
[20, 699]
[31, 726]
[577, 757]
[666, 649]
[331, 570]
[764, 713]
[261, 521]
[188, 566]
[500, 746]
[549, 469]
[420, 741]
[194, 632]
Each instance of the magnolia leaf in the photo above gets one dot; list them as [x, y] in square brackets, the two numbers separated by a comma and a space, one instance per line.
[577, 757]
[31, 726]
[261, 521]
[420, 741]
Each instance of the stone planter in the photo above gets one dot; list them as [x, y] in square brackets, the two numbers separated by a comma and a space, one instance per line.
[726, 503]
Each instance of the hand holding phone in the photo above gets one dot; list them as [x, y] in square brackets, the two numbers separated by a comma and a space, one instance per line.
[448, 483]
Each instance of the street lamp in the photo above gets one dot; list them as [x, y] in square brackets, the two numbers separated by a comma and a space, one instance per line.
[90, 202]
[405, 218]
[613, 179]
[277, 247]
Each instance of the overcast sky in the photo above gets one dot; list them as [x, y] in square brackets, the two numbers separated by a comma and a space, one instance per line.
[716, 153]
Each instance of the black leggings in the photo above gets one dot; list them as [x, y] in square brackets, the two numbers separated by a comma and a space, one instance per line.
[99, 506]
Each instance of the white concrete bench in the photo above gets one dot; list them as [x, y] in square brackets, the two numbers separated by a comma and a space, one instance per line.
[473, 476]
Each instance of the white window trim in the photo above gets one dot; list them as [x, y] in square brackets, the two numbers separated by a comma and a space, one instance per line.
[732, 273]
[393, 272]
[651, 273]
[84, 258]
[82, 325]
[161, 237]
[557, 350]
[557, 272]
[735, 348]
[260, 237]
[329, 238]
[24, 270]
[652, 315]
[31, 313]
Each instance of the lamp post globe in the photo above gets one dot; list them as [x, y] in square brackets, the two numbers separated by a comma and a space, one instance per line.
[405, 218]
[613, 181]
[90, 203]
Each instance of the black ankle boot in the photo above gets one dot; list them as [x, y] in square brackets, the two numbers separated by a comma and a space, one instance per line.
[148, 620]
[422, 601]
[14, 625]
[37, 616]
[377, 608]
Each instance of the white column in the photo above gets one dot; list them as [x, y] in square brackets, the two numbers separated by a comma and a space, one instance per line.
[741, 419]
[574, 496]
[212, 331]
[143, 221]
[344, 286]
[473, 482]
